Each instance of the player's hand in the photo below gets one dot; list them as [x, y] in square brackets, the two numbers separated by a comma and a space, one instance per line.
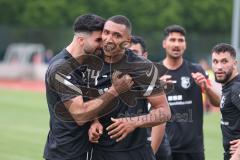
[234, 145]
[121, 83]
[167, 79]
[120, 128]
[200, 79]
[95, 131]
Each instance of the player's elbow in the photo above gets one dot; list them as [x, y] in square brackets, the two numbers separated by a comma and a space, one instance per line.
[167, 113]
[79, 116]
[164, 114]
[81, 120]
[80, 123]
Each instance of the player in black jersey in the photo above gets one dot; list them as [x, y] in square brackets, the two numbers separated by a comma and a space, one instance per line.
[123, 134]
[161, 147]
[224, 65]
[185, 129]
[138, 46]
[69, 107]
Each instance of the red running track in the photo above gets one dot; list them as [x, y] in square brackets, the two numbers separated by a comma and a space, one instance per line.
[27, 85]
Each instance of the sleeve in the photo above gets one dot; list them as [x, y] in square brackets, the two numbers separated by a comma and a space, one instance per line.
[162, 70]
[62, 80]
[147, 79]
[235, 95]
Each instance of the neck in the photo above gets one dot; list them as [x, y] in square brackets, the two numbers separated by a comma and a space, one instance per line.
[113, 57]
[234, 74]
[74, 50]
[172, 63]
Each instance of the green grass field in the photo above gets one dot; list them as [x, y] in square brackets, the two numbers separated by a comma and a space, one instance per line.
[24, 126]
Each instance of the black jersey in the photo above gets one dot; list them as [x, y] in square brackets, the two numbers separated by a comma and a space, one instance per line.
[185, 129]
[230, 109]
[131, 103]
[64, 78]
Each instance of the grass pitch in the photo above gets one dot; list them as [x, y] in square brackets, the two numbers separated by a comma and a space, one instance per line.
[24, 122]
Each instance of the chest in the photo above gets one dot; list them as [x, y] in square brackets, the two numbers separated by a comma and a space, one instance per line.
[182, 82]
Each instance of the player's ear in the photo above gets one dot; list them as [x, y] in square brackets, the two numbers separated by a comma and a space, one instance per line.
[80, 40]
[145, 55]
[235, 62]
[129, 39]
[164, 43]
[127, 43]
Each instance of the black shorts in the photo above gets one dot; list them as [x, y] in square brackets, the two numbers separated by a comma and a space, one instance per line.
[85, 156]
[188, 156]
[141, 153]
[164, 150]
[226, 156]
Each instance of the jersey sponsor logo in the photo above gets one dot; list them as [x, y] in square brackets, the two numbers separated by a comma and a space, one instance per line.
[177, 100]
[185, 82]
[180, 103]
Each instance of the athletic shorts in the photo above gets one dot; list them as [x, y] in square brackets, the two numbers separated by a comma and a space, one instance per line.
[85, 156]
[188, 156]
[140, 153]
[226, 156]
[164, 150]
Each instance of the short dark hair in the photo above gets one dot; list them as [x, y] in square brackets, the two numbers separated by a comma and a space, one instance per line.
[120, 19]
[174, 28]
[139, 40]
[224, 47]
[88, 23]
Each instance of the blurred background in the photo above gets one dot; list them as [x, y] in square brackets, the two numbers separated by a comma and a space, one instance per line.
[32, 31]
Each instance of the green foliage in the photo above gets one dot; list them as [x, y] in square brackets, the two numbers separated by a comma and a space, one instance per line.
[208, 15]
[195, 15]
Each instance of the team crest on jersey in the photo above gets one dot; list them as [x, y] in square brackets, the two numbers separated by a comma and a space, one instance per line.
[185, 82]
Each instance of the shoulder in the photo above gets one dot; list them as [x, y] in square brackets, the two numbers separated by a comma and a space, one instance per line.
[58, 58]
[235, 93]
[132, 57]
[161, 68]
[235, 88]
[58, 62]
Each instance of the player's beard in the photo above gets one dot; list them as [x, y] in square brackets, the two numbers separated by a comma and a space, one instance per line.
[109, 47]
[226, 77]
[112, 47]
[175, 55]
[98, 51]
[92, 51]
